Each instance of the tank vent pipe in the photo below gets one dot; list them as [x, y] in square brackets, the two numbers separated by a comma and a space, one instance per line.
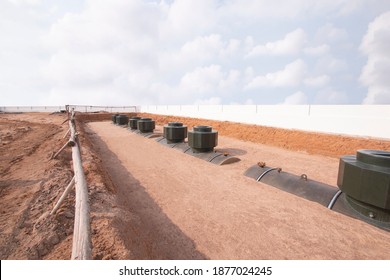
[335, 197]
[269, 170]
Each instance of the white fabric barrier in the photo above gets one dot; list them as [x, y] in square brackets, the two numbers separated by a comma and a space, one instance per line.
[77, 108]
[354, 120]
[32, 109]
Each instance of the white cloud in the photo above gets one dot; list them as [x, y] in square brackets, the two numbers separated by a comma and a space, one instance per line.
[330, 64]
[189, 18]
[291, 75]
[175, 51]
[318, 81]
[297, 98]
[331, 96]
[318, 50]
[108, 45]
[203, 47]
[291, 44]
[25, 2]
[330, 33]
[203, 50]
[374, 75]
[202, 79]
[231, 48]
[209, 80]
[79, 70]
[231, 80]
[292, 9]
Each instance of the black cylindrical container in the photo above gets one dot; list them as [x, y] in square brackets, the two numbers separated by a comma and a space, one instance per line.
[122, 119]
[146, 125]
[202, 139]
[133, 122]
[175, 132]
[113, 118]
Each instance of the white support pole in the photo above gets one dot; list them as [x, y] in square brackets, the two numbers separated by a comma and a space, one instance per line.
[69, 143]
[63, 196]
[67, 132]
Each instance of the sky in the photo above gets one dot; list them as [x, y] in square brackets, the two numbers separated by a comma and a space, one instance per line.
[154, 52]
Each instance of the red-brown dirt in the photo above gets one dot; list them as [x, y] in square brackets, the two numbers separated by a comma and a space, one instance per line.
[151, 202]
[313, 143]
[31, 183]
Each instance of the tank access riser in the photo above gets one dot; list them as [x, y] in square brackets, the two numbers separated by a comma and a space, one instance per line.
[365, 180]
[201, 142]
[143, 126]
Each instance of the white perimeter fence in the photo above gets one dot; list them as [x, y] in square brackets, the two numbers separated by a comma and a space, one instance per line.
[354, 120]
[26, 109]
[77, 108]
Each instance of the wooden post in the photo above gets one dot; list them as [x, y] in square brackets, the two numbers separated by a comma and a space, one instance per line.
[67, 132]
[70, 143]
[63, 196]
[82, 246]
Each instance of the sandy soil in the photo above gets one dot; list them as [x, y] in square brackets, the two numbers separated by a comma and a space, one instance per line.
[31, 183]
[179, 207]
[152, 202]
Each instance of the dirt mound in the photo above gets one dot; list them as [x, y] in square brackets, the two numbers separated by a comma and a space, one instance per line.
[332, 145]
[31, 183]
[98, 117]
[295, 140]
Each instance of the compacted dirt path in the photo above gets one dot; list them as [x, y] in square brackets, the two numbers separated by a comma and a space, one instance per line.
[170, 205]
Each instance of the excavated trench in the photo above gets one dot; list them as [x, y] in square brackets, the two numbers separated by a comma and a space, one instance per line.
[364, 180]
[205, 201]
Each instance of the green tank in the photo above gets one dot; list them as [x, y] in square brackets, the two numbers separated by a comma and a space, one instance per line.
[113, 118]
[175, 132]
[122, 119]
[365, 179]
[146, 125]
[202, 139]
[133, 122]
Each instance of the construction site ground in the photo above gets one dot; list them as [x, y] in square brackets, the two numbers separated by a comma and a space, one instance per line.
[149, 201]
